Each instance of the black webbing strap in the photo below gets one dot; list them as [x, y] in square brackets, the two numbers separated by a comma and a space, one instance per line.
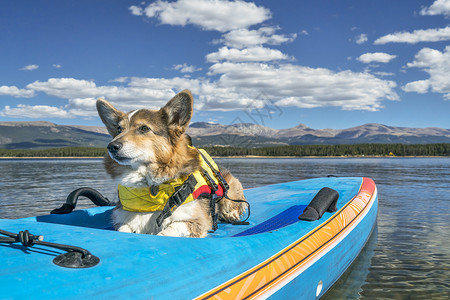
[214, 198]
[211, 183]
[177, 198]
[217, 173]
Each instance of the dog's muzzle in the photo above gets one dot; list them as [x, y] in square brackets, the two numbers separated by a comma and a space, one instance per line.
[114, 147]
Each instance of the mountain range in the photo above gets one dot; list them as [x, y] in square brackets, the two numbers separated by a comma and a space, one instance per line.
[257, 135]
[41, 134]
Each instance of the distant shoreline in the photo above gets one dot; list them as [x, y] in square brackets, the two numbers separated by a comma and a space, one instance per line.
[50, 157]
[305, 151]
[349, 156]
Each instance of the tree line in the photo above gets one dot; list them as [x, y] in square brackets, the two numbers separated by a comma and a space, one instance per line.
[337, 150]
[54, 152]
[297, 151]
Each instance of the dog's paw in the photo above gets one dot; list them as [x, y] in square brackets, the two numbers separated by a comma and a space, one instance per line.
[230, 211]
[178, 229]
[125, 228]
[230, 216]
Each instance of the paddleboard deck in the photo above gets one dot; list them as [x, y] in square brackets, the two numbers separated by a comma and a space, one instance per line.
[282, 258]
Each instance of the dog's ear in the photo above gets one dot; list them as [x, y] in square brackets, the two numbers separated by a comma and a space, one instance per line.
[179, 112]
[110, 116]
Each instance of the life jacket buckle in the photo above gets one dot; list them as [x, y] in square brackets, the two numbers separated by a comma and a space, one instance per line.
[177, 198]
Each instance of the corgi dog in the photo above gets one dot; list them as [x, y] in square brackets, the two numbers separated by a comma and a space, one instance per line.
[150, 153]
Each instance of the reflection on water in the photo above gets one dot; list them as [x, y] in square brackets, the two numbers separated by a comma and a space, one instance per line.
[349, 285]
[35, 187]
[409, 258]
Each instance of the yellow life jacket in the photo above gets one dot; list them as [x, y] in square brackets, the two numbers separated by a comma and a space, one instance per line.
[148, 199]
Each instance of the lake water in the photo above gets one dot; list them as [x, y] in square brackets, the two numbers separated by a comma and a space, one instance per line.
[407, 257]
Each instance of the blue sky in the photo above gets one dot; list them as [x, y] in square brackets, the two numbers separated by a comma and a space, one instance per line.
[327, 64]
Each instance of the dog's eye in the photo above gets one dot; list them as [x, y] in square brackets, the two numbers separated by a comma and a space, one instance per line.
[144, 129]
[119, 129]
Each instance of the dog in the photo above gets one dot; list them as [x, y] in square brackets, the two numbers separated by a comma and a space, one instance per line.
[150, 150]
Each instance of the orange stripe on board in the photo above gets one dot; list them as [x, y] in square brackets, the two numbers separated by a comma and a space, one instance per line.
[266, 275]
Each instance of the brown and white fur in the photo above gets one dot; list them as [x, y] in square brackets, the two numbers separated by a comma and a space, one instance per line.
[150, 147]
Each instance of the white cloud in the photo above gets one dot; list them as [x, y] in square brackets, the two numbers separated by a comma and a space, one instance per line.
[382, 74]
[36, 112]
[249, 54]
[81, 96]
[219, 15]
[29, 68]
[419, 86]
[437, 65]
[136, 10]
[124, 97]
[185, 68]
[81, 107]
[439, 7]
[65, 87]
[428, 58]
[70, 88]
[292, 85]
[57, 66]
[380, 57]
[361, 39]
[242, 38]
[236, 87]
[421, 35]
[164, 85]
[15, 92]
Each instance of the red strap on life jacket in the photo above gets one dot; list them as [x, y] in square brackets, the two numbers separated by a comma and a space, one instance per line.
[206, 189]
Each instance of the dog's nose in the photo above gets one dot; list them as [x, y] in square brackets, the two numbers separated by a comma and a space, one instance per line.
[113, 147]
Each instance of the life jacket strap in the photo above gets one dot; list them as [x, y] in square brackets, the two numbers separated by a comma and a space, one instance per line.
[215, 198]
[212, 185]
[177, 198]
[217, 173]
